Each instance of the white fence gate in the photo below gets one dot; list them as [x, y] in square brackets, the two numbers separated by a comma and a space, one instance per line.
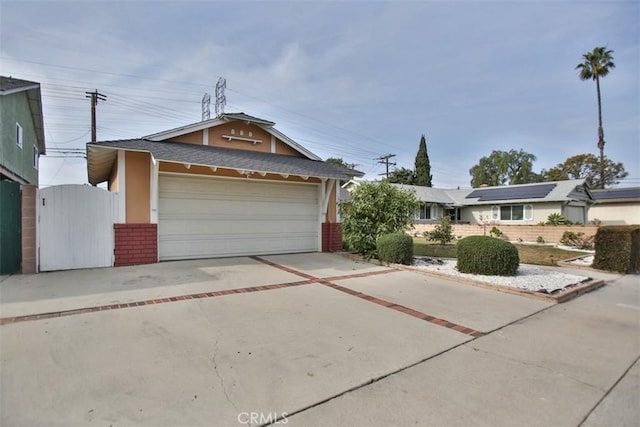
[76, 227]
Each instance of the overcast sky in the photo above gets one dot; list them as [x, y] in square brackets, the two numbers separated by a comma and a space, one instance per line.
[354, 80]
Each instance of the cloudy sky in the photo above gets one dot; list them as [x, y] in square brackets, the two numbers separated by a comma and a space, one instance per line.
[355, 80]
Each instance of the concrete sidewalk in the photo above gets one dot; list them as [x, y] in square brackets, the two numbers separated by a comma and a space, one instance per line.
[573, 362]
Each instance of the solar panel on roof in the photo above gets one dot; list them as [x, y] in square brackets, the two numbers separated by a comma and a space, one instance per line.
[617, 193]
[511, 193]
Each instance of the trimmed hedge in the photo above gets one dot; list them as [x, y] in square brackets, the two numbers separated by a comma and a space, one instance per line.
[396, 248]
[487, 256]
[618, 249]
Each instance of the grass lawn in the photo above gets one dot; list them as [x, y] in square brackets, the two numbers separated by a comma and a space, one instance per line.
[529, 254]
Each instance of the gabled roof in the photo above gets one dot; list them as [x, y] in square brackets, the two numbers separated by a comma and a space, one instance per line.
[101, 155]
[433, 195]
[10, 85]
[226, 118]
[617, 195]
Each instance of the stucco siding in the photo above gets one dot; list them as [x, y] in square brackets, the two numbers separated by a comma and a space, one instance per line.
[214, 137]
[616, 213]
[482, 214]
[137, 175]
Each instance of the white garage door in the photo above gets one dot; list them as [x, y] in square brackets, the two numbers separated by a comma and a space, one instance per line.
[202, 217]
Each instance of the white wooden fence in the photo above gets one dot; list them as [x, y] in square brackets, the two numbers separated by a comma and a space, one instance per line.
[76, 227]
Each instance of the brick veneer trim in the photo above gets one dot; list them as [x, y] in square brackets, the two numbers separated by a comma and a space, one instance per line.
[135, 244]
[331, 237]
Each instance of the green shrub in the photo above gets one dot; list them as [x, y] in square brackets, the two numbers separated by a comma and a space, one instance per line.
[557, 219]
[376, 209]
[495, 232]
[618, 249]
[442, 232]
[540, 239]
[577, 240]
[396, 248]
[488, 256]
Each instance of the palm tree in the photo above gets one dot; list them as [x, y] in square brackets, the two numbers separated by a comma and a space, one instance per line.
[597, 64]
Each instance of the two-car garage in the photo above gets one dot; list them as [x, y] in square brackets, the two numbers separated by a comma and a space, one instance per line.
[204, 217]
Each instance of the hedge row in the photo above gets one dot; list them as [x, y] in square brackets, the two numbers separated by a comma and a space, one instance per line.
[618, 249]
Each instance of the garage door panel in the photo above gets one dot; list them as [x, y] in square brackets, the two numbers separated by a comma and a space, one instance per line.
[208, 217]
[232, 226]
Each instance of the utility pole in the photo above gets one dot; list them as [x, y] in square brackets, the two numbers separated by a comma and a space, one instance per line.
[95, 97]
[385, 160]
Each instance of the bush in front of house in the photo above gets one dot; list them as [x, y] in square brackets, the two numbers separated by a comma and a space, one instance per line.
[442, 232]
[577, 240]
[376, 209]
[557, 219]
[396, 248]
[618, 249]
[487, 256]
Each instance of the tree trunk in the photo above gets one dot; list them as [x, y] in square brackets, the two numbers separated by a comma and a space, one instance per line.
[600, 135]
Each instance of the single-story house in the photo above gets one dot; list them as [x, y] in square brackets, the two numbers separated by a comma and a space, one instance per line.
[512, 204]
[616, 206]
[229, 186]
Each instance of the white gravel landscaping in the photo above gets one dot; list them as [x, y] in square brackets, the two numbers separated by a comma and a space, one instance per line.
[527, 278]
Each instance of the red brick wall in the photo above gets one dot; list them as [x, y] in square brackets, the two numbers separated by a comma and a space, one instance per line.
[136, 244]
[28, 229]
[331, 237]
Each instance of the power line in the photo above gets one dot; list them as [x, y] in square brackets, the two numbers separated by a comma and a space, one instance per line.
[385, 160]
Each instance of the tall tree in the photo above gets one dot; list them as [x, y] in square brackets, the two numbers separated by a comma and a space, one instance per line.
[597, 64]
[587, 166]
[423, 167]
[504, 167]
[402, 176]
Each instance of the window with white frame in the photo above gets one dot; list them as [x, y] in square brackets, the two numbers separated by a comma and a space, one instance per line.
[36, 157]
[18, 135]
[424, 211]
[512, 213]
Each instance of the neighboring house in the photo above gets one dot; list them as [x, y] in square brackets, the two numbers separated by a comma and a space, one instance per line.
[510, 205]
[229, 186]
[616, 206]
[22, 132]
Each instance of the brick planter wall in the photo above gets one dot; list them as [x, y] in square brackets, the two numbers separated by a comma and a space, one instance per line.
[527, 233]
[135, 244]
[331, 237]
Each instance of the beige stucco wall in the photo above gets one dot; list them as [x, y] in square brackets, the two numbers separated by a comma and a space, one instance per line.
[616, 214]
[482, 214]
[241, 130]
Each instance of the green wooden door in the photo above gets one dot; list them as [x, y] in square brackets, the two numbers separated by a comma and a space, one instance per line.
[10, 229]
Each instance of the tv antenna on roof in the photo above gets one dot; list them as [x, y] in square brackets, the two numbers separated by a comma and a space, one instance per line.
[221, 100]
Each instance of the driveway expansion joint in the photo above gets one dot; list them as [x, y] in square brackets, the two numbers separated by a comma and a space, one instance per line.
[397, 307]
[309, 279]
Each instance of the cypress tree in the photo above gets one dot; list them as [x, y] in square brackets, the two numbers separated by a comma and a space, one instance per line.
[423, 167]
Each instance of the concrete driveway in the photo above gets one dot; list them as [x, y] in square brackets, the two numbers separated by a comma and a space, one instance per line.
[307, 339]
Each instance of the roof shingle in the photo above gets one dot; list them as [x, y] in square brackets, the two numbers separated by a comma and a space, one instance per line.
[177, 152]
